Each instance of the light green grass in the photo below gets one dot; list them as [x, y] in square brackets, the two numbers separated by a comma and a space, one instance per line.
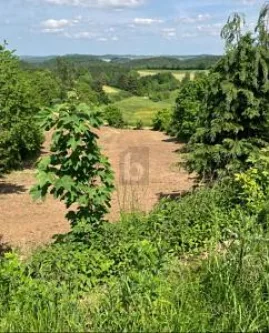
[178, 74]
[141, 108]
[111, 90]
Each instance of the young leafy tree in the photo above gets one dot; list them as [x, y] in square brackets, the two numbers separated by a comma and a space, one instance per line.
[234, 120]
[76, 172]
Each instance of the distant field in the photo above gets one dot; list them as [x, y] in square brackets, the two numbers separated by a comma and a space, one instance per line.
[136, 108]
[111, 90]
[178, 74]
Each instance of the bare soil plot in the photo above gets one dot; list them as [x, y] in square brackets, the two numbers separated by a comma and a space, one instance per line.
[145, 165]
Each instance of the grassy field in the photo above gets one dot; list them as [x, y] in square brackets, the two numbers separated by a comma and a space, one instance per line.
[178, 74]
[142, 108]
[111, 90]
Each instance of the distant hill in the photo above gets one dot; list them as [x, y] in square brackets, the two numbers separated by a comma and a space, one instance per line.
[195, 62]
[130, 61]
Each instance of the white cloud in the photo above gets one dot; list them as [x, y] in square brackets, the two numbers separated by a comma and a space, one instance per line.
[189, 35]
[146, 21]
[249, 2]
[169, 33]
[210, 29]
[102, 39]
[56, 26]
[52, 31]
[194, 19]
[80, 35]
[98, 3]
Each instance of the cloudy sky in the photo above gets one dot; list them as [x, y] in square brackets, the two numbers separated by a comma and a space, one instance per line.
[45, 27]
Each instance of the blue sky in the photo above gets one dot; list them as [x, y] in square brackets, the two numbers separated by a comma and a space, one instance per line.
[45, 27]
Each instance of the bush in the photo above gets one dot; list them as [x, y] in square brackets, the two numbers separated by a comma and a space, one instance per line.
[252, 186]
[139, 124]
[114, 117]
[189, 103]
[20, 136]
[162, 120]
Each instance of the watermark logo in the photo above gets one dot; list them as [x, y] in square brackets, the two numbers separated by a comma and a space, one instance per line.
[134, 166]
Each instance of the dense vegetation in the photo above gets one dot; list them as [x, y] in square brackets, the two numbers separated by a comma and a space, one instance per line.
[195, 264]
[90, 61]
[21, 96]
[225, 117]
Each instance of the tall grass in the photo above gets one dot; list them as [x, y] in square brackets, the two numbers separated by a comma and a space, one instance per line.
[223, 293]
[197, 264]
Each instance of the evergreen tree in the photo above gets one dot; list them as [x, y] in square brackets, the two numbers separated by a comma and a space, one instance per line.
[234, 118]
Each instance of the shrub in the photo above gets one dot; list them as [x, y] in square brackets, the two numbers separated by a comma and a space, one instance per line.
[139, 124]
[20, 136]
[186, 113]
[114, 117]
[162, 120]
[252, 186]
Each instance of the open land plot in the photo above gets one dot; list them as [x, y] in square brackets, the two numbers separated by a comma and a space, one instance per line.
[26, 224]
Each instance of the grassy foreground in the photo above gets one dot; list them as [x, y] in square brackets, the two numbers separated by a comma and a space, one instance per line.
[197, 264]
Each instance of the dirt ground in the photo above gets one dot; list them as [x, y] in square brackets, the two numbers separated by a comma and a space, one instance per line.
[146, 169]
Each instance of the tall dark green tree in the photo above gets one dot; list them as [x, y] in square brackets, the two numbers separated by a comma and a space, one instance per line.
[234, 120]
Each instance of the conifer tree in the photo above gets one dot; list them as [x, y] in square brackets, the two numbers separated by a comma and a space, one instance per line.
[234, 119]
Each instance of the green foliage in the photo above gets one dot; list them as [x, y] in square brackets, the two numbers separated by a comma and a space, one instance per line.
[114, 117]
[162, 120]
[188, 108]
[76, 172]
[224, 293]
[139, 124]
[234, 119]
[135, 108]
[142, 274]
[20, 137]
[46, 87]
[252, 186]
[35, 305]
[79, 266]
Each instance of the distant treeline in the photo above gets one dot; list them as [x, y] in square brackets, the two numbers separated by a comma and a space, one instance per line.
[196, 63]
[90, 61]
